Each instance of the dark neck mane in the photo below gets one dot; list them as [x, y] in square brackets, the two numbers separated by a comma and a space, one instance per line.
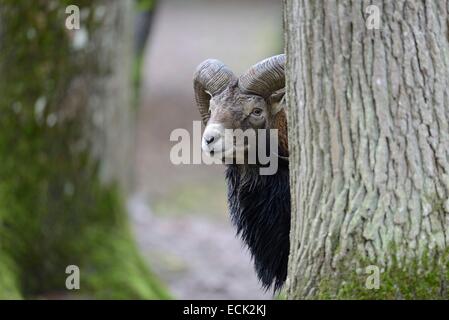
[259, 206]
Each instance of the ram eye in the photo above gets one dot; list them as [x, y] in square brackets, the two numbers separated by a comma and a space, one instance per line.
[257, 111]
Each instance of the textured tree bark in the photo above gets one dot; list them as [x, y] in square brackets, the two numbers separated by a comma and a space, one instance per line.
[369, 140]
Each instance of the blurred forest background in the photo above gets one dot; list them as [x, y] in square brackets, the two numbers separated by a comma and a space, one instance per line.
[85, 175]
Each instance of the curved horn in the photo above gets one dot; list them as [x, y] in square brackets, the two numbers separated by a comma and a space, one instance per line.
[265, 77]
[210, 78]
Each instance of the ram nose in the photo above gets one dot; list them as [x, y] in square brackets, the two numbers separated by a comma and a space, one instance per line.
[212, 135]
[209, 139]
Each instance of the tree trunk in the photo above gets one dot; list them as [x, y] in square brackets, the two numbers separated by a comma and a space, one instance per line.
[66, 133]
[369, 140]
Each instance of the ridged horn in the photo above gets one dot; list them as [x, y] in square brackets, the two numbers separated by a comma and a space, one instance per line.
[211, 77]
[265, 77]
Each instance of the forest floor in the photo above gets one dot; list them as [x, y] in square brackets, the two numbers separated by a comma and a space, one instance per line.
[179, 213]
[196, 257]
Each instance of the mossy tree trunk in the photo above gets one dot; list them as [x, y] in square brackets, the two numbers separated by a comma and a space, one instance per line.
[369, 139]
[66, 133]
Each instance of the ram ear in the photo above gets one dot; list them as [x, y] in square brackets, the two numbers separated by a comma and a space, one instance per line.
[276, 101]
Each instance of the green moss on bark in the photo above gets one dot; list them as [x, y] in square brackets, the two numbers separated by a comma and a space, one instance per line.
[9, 287]
[419, 278]
[54, 211]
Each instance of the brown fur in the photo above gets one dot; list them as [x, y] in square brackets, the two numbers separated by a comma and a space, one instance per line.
[280, 122]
